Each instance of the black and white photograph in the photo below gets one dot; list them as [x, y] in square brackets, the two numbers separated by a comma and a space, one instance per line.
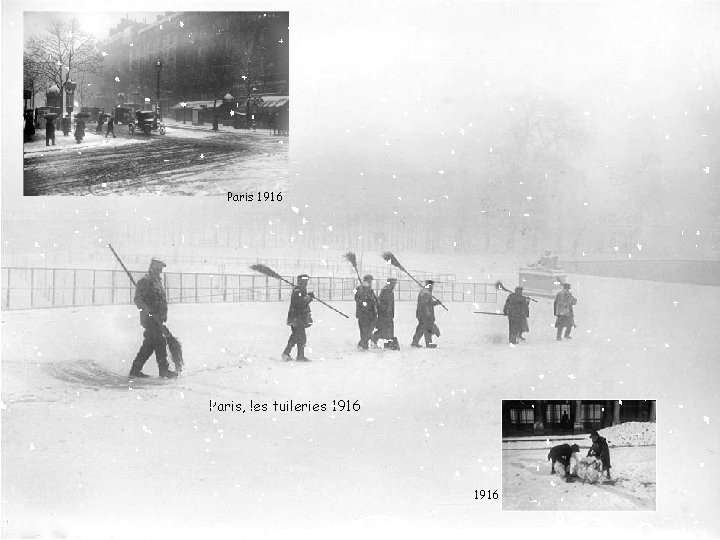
[159, 103]
[579, 455]
[497, 220]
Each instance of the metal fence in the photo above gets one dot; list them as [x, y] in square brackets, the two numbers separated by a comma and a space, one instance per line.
[29, 288]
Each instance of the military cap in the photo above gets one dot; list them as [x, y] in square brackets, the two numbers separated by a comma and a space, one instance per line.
[156, 260]
[367, 277]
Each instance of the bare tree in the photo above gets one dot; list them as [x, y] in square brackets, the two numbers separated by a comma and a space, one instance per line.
[33, 77]
[85, 92]
[63, 53]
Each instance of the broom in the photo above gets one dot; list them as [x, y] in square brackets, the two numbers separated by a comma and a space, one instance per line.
[352, 259]
[392, 259]
[267, 271]
[174, 345]
[499, 285]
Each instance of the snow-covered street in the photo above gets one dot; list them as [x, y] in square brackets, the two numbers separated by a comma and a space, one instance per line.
[187, 160]
[82, 446]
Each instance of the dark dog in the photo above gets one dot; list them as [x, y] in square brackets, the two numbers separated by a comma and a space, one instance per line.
[562, 454]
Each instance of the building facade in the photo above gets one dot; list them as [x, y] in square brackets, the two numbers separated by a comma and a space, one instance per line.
[192, 56]
[571, 416]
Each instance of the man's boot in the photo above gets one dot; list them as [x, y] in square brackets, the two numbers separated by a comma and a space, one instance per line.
[559, 334]
[165, 372]
[567, 332]
[136, 369]
[301, 354]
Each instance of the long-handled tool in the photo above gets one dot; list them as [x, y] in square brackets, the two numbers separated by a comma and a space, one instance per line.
[489, 313]
[352, 259]
[173, 343]
[392, 259]
[500, 286]
[266, 270]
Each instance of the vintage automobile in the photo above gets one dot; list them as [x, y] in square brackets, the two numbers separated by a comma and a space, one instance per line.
[146, 122]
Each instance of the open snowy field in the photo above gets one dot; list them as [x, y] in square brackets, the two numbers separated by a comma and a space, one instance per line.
[84, 452]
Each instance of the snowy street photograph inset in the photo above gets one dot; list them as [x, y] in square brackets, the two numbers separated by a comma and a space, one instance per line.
[164, 103]
[579, 455]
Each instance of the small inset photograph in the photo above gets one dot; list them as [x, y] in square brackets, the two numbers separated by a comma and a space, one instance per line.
[579, 455]
[162, 103]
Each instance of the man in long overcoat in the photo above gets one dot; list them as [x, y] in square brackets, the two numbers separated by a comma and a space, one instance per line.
[563, 310]
[600, 450]
[299, 318]
[517, 309]
[366, 310]
[150, 299]
[425, 313]
[49, 131]
[386, 314]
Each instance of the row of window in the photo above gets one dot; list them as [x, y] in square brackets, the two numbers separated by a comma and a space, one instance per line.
[592, 412]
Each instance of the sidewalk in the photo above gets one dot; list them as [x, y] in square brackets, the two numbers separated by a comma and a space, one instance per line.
[68, 144]
[174, 124]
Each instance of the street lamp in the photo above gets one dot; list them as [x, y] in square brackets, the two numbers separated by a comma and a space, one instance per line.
[183, 106]
[158, 69]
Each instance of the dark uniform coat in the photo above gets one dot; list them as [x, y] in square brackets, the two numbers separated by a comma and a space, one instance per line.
[366, 303]
[150, 300]
[563, 309]
[517, 309]
[299, 311]
[601, 450]
[386, 313]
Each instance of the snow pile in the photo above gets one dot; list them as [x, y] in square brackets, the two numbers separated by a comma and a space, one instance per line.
[630, 434]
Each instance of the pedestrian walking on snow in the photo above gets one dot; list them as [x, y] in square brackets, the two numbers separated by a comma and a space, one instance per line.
[563, 310]
[366, 310]
[425, 313]
[517, 309]
[150, 299]
[386, 314]
[49, 132]
[299, 318]
[110, 127]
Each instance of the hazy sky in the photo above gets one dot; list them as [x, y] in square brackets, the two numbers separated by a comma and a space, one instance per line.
[406, 89]
[98, 23]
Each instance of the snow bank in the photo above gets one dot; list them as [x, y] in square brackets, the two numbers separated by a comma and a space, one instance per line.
[630, 434]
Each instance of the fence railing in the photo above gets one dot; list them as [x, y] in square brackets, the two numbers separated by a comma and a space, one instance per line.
[29, 288]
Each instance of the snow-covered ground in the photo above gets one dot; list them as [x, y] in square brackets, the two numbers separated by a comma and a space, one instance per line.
[84, 451]
[528, 484]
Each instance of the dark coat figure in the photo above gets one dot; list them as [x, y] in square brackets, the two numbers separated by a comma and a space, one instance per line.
[29, 127]
[386, 313]
[100, 123]
[562, 454]
[425, 313]
[65, 124]
[150, 299]
[517, 309]
[110, 127]
[563, 310]
[600, 450]
[79, 130]
[273, 123]
[299, 318]
[283, 120]
[564, 421]
[49, 131]
[366, 310]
